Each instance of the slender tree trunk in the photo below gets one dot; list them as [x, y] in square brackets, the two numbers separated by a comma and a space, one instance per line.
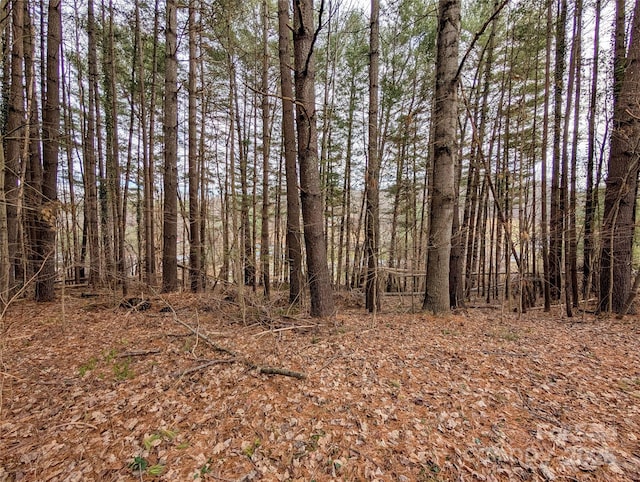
[13, 139]
[170, 212]
[456, 280]
[372, 173]
[266, 145]
[195, 277]
[572, 252]
[32, 194]
[564, 173]
[304, 33]
[557, 215]
[149, 176]
[90, 180]
[114, 189]
[590, 206]
[344, 242]
[445, 122]
[621, 185]
[546, 285]
[4, 101]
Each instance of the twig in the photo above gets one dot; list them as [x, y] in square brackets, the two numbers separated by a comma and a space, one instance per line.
[286, 328]
[202, 367]
[138, 353]
[74, 423]
[281, 371]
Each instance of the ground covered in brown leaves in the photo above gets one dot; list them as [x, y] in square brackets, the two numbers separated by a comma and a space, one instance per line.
[91, 391]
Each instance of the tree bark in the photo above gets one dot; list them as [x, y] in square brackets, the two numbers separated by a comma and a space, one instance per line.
[13, 139]
[621, 185]
[195, 277]
[170, 211]
[372, 173]
[304, 36]
[266, 145]
[556, 221]
[50, 148]
[90, 180]
[436, 297]
[590, 206]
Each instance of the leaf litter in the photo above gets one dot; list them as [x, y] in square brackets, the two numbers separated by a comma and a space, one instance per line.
[104, 394]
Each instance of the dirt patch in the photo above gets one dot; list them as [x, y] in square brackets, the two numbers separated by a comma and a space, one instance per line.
[98, 392]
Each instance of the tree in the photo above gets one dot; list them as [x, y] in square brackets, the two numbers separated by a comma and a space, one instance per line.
[591, 191]
[372, 173]
[89, 144]
[304, 35]
[621, 186]
[46, 233]
[14, 138]
[445, 117]
[556, 221]
[195, 275]
[294, 244]
[170, 211]
[266, 145]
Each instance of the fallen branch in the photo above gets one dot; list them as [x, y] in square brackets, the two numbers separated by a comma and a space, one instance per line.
[281, 371]
[236, 356]
[138, 353]
[286, 328]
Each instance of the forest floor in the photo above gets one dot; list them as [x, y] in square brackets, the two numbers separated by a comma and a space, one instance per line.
[91, 391]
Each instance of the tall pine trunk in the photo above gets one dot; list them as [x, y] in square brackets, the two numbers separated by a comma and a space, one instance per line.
[621, 185]
[372, 173]
[13, 140]
[266, 145]
[170, 211]
[50, 148]
[195, 278]
[321, 295]
[445, 116]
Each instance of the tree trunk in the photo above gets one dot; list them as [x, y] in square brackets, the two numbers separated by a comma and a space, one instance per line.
[13, 140]
[590, 206]
[50, 148]
[321, 296]
[456, 281]
[170, 211]
[436, 297]
[266, 145]
[546, 284]
[620, 194]
[90, 180]
[556, 222]
[114, 190]
[149, 177]
[572, 252]
[372, 173]
[195, 277]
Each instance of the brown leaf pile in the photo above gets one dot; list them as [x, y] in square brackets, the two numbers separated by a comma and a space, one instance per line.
[96, 392]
